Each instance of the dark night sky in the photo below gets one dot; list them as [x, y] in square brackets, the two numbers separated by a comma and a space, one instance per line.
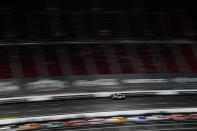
[106, 5]
[43, 19]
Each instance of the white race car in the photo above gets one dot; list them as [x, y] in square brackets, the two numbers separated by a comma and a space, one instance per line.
[118, 96]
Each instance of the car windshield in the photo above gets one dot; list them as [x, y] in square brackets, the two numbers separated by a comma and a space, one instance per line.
[74, 64]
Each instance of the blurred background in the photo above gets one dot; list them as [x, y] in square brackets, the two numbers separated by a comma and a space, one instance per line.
[63, 20]
[56, 55]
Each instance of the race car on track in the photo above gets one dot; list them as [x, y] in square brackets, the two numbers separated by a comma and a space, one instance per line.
[53, 125]
[118, 96]
[138, 119]
[27, 127]
[115, 120]
[96, 121]
[157, 117]
[193, 116]
[178, 117]
[5, 128]
[76, 123]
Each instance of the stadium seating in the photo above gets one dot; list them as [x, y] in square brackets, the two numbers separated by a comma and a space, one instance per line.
[86, 59]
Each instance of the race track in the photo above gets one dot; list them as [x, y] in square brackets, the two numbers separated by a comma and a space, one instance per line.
[95, 105]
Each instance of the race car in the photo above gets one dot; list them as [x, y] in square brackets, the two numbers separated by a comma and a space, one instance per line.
[178, 117]
[53, 125]
[96, 121]
[193, 116]
[138, 119]
[27, 127]
[118, 96]
[115, 120]
[76, 123]
[157, 117]
[5, 128]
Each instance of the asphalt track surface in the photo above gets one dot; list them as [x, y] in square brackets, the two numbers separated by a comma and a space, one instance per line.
[134, 87]
[95, 105]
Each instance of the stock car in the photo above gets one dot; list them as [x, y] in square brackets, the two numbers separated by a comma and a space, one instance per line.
[179, 117]
[53, 125]
[118, 96]
[96, 121]
[76, 123]
[157, 117]
[32, 126]
[115, 120]
[193, 116]
[6, 128]
[138, 119]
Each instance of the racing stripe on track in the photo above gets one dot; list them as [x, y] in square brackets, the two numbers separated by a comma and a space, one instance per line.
[123, 59]
[78, 66]
[5, 70]
[100, 59]
[190, 57]
[146, 57]
[52, 62]
[27, 62]
[169, 59]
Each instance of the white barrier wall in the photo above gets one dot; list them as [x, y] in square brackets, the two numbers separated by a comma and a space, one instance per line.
[96, 114]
